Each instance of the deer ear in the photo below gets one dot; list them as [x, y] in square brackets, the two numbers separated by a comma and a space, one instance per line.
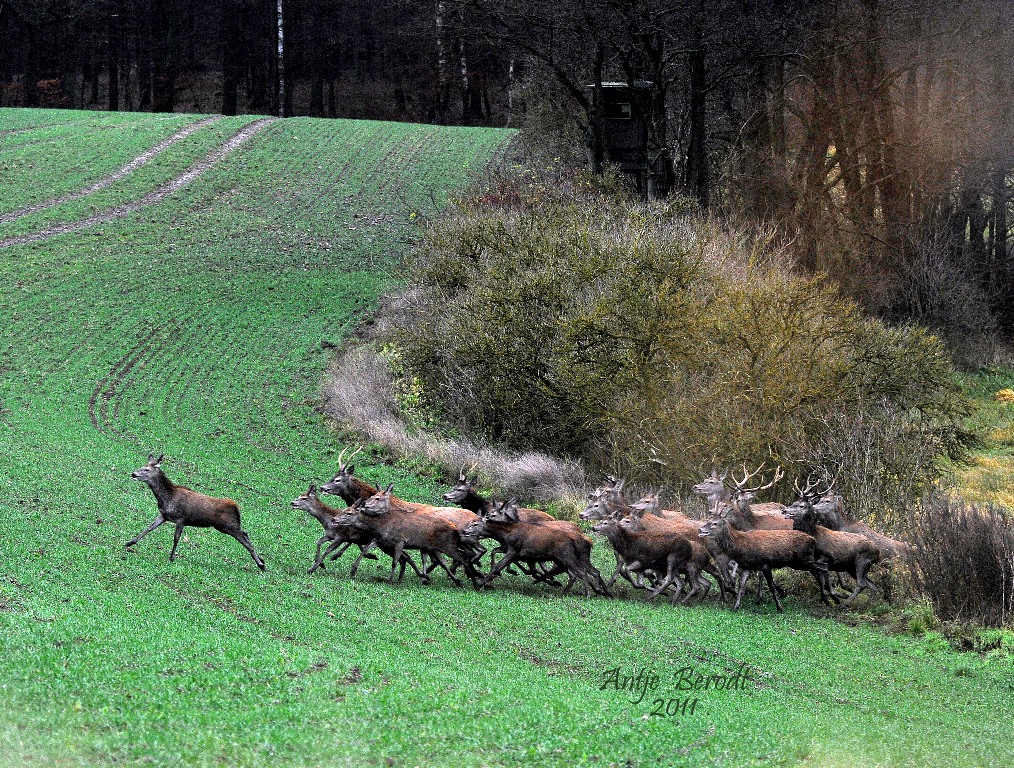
[312, 490]
[389, 488]
[158, 462]
[350, 469]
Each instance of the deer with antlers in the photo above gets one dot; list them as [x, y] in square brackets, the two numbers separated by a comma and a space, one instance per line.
[842, 552]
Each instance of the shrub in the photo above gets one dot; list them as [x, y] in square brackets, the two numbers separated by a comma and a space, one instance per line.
[964, 557]
[644, 338]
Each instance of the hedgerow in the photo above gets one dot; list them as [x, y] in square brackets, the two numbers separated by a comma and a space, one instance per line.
[647, 338]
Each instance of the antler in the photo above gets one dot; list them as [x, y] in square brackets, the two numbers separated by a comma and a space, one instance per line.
[806, 493]
[342, 461]
[740, 485]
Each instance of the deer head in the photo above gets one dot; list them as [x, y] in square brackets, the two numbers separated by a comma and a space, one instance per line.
[151, 471]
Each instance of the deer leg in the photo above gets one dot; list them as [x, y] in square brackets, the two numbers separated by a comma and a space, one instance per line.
[395, 560]
[319, 562]
[406, 559]
[363, 552]
[440, 561]
[620, 570]
[599, 583]
[176, 539]
[506, 560]
[862, 582]
[743, 576]
[320, 544]
[771, 585]
[154, 524]
[242, 537]
[341, 550]
[693, 575]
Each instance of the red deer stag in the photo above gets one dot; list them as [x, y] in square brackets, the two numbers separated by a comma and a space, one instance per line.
[182, 506]
[764, 550]
[843, 552]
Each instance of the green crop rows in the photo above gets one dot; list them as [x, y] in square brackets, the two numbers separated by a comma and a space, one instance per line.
[194, 327]
[66, 151]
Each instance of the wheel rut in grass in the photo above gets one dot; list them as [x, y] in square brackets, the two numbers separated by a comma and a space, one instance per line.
[104, 182]
[155, 196]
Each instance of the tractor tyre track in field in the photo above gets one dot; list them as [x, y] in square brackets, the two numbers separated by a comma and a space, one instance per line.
[138, 162]
[155, 196]
[108, 387]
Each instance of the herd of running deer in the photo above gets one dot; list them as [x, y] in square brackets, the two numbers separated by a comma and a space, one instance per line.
[656, 549]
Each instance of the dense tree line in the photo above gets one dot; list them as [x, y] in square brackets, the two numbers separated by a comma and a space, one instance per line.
[875, 134]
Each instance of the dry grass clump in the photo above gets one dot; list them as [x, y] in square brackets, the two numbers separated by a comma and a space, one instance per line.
[964, 558]
[359, 394]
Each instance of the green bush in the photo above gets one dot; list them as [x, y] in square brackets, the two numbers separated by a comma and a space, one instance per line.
[645, 338]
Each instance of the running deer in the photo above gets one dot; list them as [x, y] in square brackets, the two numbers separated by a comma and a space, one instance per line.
[464, 494]
[722, 494]
[843, 552]
[352, 489]
[182, 506]
[345, 483]
[764, 550]
[559, 542]
[412, 526]
[664, 553]
[340, 536]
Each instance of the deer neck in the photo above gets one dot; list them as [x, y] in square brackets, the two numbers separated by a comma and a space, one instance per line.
[162, 487]
[322, 512]
[473, 502]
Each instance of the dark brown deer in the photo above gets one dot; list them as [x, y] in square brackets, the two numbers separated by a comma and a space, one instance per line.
[706, 557]
[843, 552]
[341, 536]
[348, 524]
[559, 542]
[764, 550]
[345, 483]
[464, 494]
[700, 559]
[664, 553]
[182, 506]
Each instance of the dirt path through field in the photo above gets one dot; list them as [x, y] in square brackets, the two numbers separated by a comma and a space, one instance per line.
[104, 182]
[155, 196]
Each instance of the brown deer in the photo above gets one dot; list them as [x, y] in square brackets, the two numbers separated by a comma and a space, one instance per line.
[349, 524]
[341, 536]
[464, 494]
[411, 526]
[345, 483]
[720, 493]
[830, 515]
[843, 552]
[664, 553]
[182, 506]
[559, 542]
[352, 488]
[746, 516]
[764, 550]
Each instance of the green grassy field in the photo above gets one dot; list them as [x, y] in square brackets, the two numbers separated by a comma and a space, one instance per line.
[198, 327]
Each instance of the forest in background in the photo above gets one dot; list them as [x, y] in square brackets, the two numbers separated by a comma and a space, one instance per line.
[873, 136]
